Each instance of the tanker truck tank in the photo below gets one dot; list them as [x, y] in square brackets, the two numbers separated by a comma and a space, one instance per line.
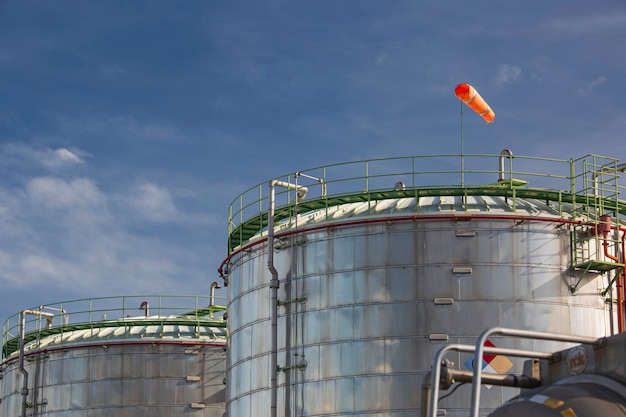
[582, 381]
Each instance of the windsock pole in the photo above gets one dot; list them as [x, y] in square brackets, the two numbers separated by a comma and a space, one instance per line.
[462, 151]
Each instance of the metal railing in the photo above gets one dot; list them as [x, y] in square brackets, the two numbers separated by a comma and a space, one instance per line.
[479, 349]
[123, 312]
[592, 179]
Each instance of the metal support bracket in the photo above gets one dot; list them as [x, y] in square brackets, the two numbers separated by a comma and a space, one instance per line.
[295, 300]
[574, 288]
[300, 365]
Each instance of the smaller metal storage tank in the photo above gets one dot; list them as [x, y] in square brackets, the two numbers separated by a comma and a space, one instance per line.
[129, 356]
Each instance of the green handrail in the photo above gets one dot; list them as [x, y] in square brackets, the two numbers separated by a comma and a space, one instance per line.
[559, 180]
[106, 312]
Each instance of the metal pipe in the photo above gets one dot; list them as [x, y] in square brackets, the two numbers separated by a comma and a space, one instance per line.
[214, 285]
[66, 316]
[527, 334]
[607, 254]
[436, 372]
[145, 306]
[22, 368]
[620, 286]
[425, 397]
[300, 190]
[623, 277]
[320, 180]
[453, 375]
[274, 284]
[605, 230]
[506, 380]
[21, 365]
[597, 174]
[505, 152]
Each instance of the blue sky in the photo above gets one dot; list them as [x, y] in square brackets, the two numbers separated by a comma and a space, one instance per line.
[127, 128]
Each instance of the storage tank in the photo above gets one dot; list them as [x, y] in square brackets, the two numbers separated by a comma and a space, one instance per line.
[368, 268]
[127, 356]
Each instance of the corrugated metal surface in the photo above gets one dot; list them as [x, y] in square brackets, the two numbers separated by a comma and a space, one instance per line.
[495, 205]
[139, 370]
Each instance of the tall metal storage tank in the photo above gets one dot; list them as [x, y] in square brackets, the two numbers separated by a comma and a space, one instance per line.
[377, 264]
[130, 356]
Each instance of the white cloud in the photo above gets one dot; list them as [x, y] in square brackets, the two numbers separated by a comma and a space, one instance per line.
[592, 85]
[67, 156]
[508, 74]
[153, 202]
[39, 266]
[56, 193]
[17, 154]
[69, 238]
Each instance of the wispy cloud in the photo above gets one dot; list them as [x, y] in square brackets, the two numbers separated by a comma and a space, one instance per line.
[508, 74]
[121, 127]
[56, 193]
[72, 235]
[381, 58]
[111, 70]
[585, 25]
[68, 156]
[592, 85]
[153, 202]
[536, 78]
[13, 154]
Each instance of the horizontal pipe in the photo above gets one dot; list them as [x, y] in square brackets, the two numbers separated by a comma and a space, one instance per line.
[301, 190]
[506, 380]
[38, 313]
[436, 372]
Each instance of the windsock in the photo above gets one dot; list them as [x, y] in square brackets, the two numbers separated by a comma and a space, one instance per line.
[468, 95]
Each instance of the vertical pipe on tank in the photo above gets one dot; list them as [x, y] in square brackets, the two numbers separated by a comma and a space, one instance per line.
[22, 368]
[509, 154]
[274, 300]
[21, 361]
[623, 278]
[146, 307]
[214, 285]
[301, 192]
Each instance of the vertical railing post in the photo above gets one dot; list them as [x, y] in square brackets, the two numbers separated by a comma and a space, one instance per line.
[367, 177]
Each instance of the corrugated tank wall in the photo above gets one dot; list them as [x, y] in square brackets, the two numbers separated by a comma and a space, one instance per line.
[367, 300]
[152, 365]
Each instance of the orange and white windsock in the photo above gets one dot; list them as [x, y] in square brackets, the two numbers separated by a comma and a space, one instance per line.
[468, 95]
